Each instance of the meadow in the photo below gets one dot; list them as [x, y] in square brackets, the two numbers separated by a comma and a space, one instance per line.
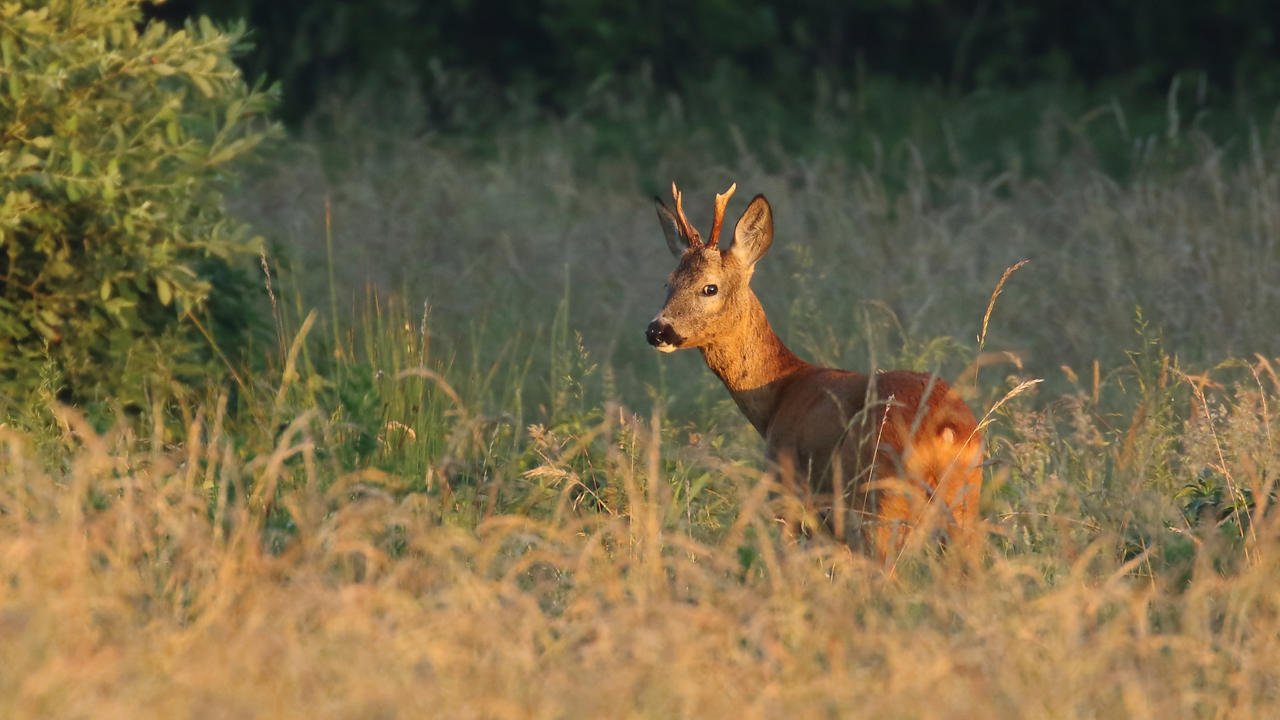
[454, 481]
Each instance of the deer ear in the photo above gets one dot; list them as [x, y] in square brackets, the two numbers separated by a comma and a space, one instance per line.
[670, 228]
[754, 232]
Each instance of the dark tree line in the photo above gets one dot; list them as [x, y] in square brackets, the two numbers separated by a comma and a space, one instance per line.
[554, 47]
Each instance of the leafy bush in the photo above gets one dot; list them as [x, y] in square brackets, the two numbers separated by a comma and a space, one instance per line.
[117, 143]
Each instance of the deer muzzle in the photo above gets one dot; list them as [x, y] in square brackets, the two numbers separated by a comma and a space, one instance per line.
[662, 336]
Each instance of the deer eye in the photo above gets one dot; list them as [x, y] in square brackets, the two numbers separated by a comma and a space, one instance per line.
[710, 290]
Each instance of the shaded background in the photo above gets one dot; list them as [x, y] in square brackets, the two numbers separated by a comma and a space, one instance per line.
[552, 49]
[490, 162]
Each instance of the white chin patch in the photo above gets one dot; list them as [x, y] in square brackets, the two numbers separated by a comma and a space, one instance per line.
[665, 347]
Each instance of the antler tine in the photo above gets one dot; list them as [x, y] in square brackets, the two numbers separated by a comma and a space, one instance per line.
[686, 227]
[722, 200]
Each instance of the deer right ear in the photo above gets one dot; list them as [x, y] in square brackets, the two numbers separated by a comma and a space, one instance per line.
[754, 232]
[670, 228]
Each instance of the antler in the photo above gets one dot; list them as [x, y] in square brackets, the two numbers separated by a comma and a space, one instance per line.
[686, 227]
[722, 199]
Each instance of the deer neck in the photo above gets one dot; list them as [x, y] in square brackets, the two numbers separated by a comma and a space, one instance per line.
[751, 362]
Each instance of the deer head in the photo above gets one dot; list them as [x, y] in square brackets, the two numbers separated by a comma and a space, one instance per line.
[709, 294]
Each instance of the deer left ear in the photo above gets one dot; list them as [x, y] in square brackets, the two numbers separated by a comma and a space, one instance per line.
[754, 232]
[670, 228]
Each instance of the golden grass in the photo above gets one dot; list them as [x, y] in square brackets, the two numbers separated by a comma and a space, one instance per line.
[141, 582]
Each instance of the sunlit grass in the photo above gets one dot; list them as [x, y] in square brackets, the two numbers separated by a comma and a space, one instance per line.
[581, 579]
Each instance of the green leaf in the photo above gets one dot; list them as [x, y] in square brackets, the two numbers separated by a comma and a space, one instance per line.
[164, 291]
[48, 332]
[234, 108]
[104, 291]
[77, 162]
[202, 85]
[222, 156]
[60, 268]
[117, 305]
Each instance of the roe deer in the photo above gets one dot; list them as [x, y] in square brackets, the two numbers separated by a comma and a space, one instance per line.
[900, 449]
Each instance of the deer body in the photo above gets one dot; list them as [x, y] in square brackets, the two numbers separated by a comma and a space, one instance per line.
[897, 450]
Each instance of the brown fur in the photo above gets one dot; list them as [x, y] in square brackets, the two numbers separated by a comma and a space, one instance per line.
[901, 447]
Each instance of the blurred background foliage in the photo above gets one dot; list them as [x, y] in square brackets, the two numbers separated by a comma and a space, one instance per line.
[468, 141]
[485, 157]
[553, 49]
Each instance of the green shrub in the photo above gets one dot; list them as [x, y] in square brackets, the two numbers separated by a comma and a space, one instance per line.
[116, 142]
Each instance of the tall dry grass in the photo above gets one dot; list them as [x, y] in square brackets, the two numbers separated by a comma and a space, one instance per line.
[146, 579]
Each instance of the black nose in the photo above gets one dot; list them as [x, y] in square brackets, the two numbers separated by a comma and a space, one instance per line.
[660, 333]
